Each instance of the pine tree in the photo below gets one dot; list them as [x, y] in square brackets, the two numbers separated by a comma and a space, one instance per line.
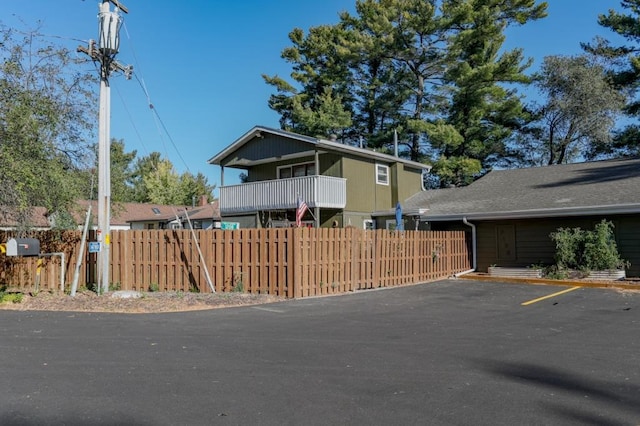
[431, 70]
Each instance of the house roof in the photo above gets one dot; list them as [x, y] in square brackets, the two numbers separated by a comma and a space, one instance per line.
[37, 218]
[126, 213]
[316, 143]
[207, 212]
[599, 187]
[122, 214]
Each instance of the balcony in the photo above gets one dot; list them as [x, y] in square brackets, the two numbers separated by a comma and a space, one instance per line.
[282, 194]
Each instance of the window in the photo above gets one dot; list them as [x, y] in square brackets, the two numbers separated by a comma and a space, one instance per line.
[284, 173]
[392, 225]
[296, 170]
[368, 224]
[382, 174]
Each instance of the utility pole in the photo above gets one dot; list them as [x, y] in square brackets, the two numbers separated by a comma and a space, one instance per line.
[104, 54]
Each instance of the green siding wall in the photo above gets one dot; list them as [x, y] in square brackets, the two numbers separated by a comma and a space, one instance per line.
[330, 165]
[408, 182]
[362, 193]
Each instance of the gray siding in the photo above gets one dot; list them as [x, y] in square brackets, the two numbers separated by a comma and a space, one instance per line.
[261, 148]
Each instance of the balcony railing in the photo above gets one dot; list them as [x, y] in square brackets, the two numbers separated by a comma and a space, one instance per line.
[282, 194]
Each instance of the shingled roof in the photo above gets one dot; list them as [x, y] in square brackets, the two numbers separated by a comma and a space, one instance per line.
[313, 143]
[599, 187]
[126, 213]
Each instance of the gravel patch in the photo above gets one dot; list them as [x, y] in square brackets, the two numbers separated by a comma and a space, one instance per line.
[88, 301]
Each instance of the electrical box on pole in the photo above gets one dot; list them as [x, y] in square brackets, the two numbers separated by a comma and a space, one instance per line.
[109, 30]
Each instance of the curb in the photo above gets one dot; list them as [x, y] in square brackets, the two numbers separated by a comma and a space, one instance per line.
[542, 281]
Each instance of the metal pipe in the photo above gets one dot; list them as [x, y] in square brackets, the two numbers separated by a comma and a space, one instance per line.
[62, 266]
[473, 249]
[83, 243]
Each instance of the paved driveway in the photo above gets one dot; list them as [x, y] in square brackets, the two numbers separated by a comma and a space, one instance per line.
[446, 353]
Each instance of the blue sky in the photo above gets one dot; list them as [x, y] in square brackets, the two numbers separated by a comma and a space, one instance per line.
[201, 62]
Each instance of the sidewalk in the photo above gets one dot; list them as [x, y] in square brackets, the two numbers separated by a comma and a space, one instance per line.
[627, 284]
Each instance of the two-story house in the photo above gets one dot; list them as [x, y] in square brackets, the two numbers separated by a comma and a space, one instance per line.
[340, 184]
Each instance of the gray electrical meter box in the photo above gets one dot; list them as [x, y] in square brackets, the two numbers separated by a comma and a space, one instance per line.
[23, 247]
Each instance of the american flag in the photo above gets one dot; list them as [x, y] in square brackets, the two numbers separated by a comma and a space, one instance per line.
[300, 211]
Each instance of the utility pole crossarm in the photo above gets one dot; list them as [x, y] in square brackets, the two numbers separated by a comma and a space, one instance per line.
[94, 54]
[119, 5]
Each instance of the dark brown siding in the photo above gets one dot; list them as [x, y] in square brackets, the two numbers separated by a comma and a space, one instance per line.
[534, 246]
[628, 237]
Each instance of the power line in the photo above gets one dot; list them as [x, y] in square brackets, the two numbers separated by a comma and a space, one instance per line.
[152, 107]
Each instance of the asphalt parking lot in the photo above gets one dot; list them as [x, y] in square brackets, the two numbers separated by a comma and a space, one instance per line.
[453, 352]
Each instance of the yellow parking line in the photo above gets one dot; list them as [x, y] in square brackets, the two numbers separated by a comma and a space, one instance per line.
[549, 296]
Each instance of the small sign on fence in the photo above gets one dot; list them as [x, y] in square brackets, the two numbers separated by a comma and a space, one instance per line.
[229, 225]
[94, 247]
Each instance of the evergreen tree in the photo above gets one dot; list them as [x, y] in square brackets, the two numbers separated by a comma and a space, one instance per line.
[433, 71]
[624, 65]
[121, 172]
[194, 187]
[482, 114]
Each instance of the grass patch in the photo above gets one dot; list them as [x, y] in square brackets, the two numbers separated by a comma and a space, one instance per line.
[11, 297]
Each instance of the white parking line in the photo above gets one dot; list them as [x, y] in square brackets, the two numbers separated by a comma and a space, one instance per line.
[278, 311]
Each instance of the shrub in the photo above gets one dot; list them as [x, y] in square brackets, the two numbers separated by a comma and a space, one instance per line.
[569, 247]
[600, 249]
[588, 250]
[11, 297]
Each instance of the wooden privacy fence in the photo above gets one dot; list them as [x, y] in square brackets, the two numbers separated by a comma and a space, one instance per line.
[285, 262]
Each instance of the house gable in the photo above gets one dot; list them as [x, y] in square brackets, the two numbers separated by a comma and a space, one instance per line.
[267, 148]
[339, 181]
[235, 154]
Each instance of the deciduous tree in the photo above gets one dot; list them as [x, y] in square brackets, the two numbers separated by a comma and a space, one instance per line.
[579, 109]
[47, 111]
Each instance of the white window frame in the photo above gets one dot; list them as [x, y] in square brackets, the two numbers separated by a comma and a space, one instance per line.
[292, 166]
[379, 168]
[368, 224]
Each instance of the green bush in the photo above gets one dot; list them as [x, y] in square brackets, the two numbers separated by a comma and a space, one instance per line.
[569, 247]
[588, 250]
[11, 297]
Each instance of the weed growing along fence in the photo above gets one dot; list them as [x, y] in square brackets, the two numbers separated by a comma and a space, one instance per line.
[285, 262]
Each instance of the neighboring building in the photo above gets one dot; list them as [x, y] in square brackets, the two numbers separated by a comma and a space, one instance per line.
[157, 216]
[179, 217]
[37, 220]
[514, 211]
[338, 182]
[127, 216]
